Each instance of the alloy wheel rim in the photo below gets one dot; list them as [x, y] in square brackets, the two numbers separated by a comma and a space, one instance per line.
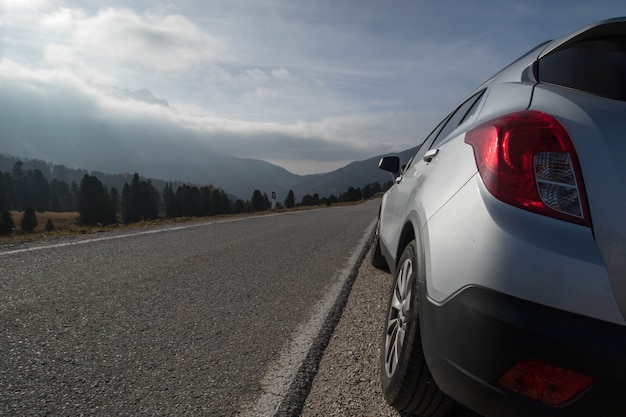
[398, 318]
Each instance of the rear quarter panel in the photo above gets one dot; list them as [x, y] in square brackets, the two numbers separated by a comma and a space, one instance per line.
[597, 127]
[477, 240]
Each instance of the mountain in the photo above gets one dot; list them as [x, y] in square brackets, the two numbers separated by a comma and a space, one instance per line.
[242, 173]
[146, 96]
[355, 174]
[79, 132]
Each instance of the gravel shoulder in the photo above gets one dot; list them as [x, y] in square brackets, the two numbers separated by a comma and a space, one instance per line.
[347, 381]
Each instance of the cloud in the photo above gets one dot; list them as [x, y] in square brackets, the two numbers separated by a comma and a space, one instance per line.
[166, 43]
[311, 80]
[277, 63]
[46, 104]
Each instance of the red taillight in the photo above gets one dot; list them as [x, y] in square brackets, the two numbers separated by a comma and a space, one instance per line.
[545, 383]
[527, 159]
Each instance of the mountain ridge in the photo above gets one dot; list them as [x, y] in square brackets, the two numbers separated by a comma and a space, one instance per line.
[268, 177]
[78, 132]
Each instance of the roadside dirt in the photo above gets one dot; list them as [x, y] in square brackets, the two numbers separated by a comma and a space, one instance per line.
[347, 382]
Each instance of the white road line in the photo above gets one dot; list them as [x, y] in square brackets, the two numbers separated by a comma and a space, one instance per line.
[126, 235]
[281, 373]
[145, 232]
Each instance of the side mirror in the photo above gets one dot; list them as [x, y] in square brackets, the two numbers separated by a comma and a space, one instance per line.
[390, 163]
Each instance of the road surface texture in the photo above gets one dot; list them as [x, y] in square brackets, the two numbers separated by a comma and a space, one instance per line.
[211, 319]
[347, 382]
[208, 319]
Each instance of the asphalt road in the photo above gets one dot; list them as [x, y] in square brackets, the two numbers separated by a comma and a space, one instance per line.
[185, 321]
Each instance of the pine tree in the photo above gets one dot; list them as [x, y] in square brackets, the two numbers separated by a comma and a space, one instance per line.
[135, 199]
[29, 220]
[217, 202]
[19, 190]
[128, 215]
[148, 201]
[226, 205]
[114, 197]
[205, 201]
[239, 206]
[4, 192]
[140, 201]
[169, 201]
[290, 201]
[6, 223]
[39, 190]
[258, 202]
[94, 203]
[266, 202]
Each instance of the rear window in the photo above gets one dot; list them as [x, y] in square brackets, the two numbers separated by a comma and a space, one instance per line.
[596, 66]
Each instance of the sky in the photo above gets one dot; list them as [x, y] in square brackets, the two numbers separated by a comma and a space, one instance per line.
[309, 85]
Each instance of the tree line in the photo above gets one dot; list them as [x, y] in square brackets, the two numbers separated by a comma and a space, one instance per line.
[30, 191]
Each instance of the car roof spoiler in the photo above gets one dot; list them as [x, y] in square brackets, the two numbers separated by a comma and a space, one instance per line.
[603, 28]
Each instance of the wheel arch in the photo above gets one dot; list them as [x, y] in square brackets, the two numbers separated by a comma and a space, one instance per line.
[412, 231]
[407, 235]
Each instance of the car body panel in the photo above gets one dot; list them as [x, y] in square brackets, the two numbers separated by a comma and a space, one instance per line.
[516, 89]
[496, 269]
[597, 127]
[539, 259]
[501, 98]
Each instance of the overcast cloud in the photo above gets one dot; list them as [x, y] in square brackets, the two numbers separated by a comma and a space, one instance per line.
[309, 85]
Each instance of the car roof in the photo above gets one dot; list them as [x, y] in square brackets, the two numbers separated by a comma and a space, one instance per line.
[521, 68]
[608, 27]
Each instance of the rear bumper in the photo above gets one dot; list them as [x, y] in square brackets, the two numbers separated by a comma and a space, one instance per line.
[478, 334]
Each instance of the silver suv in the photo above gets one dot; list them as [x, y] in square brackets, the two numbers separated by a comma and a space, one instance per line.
[506, 237]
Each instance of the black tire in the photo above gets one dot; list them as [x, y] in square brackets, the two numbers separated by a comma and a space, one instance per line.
[377, 259]
[406, 380]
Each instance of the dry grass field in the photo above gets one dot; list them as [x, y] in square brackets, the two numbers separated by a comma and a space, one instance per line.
[62, 224]
[67, 223]
[59, 220]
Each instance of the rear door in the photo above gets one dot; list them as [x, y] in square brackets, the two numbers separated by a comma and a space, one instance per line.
[399, 199]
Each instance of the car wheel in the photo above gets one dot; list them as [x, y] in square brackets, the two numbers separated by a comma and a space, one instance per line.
[378, 260]
[407, 383]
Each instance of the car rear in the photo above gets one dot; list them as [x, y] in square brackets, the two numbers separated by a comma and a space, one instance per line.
[529, 318]
[582, 83]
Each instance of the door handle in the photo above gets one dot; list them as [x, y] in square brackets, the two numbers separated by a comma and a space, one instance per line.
[430, 155]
